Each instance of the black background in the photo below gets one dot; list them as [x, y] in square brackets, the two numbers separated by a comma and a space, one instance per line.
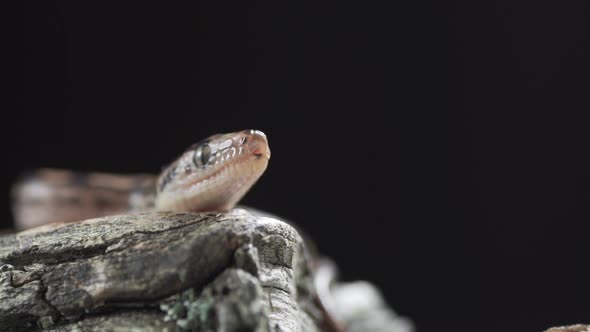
[438, 149]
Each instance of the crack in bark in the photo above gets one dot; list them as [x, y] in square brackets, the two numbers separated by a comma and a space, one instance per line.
[21, 259]
[277, 288]
[43, 298]
[191, 223]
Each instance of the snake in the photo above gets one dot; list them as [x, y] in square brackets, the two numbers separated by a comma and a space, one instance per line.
[211, 175]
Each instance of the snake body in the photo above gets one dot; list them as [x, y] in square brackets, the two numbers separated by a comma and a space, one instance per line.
[211, 175]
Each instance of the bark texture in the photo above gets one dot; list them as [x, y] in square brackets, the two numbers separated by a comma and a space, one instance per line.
[170, 272]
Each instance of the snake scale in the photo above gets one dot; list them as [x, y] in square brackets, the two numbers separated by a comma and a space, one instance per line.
[211, 175]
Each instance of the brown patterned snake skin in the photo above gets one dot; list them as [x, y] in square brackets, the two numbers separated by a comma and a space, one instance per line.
[212, 175]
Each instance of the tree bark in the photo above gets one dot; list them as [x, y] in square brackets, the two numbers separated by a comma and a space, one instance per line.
[164, 272]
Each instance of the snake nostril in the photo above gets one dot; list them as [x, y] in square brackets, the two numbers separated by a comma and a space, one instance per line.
[261, 150]
[258, 152]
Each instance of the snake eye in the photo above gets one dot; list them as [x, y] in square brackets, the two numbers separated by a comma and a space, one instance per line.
[202, 155]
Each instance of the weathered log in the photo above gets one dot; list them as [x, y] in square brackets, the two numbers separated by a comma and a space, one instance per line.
[168, 272]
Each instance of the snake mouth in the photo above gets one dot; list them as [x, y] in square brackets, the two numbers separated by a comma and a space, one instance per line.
[227, 183]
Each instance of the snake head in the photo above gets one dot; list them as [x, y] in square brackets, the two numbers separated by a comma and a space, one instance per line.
[214, 174]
